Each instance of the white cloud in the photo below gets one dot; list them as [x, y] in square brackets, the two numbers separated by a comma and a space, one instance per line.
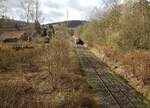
[55, 10]
[88, 3]
[44, 9]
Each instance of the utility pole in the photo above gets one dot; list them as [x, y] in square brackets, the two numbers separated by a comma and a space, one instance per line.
[67, 32]
[67, 16]
[36, 10]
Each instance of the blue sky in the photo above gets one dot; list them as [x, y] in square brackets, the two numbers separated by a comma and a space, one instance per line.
[56, 10]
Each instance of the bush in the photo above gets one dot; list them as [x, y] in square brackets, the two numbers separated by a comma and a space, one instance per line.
[57, 83]
[120, 27]
[137, 64]
[15, 94]
[7, 57]
[113, 55]
[78, 99]
[37, 27]
[12, 60]
[134, 32]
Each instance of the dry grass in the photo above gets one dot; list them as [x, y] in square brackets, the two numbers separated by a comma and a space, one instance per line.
[134, 66]
[47, 76]
[112, 54]
[15, 94]
[137, 64]
[11, 60]
[109, 55]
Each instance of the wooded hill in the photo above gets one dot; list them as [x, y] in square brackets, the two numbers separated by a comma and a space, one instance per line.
[71, 23]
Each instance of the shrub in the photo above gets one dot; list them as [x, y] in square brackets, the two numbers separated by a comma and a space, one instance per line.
[134, 32]
[113, 55]
[78, 99]
[15, 94]
[11, 59]
[37, 27]
[58, 82]
[137, 63]
[119, 26]
[7, 57]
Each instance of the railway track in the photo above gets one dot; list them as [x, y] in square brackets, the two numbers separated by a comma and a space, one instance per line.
[113, 93]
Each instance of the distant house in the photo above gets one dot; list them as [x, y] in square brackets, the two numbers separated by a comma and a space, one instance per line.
[14, 36]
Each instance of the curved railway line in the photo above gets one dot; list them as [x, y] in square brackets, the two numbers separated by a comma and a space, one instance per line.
[114, 93]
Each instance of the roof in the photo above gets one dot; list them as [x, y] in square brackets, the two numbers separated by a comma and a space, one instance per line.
[11, 35]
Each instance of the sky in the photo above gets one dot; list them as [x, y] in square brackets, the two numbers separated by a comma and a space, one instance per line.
[56, 10]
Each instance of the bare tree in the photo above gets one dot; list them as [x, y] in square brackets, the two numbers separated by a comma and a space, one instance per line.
[28, 10]
[37, 11]
[111, 3]
[31, 10]
[3, 8]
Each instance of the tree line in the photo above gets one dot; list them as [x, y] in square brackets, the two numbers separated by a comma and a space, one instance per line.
[122, 25]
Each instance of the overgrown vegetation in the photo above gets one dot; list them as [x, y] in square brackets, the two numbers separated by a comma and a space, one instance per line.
[37, 27]
[122, 35]
[47, 76]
